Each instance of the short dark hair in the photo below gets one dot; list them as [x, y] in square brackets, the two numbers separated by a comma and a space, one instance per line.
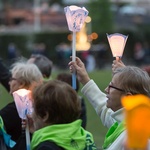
[43, 63]
[67, 77]
[57, 99]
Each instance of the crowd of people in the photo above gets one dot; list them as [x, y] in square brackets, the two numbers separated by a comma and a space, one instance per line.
[58, 120]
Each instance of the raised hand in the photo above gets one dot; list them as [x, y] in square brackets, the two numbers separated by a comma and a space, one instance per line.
[117, 64]
[80, 69]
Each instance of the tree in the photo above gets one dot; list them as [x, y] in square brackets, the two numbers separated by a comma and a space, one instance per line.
[102, 17]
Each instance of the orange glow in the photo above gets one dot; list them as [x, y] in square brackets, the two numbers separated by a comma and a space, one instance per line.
[82, 40]
[137, 117]
[69, 37]
[94, 35]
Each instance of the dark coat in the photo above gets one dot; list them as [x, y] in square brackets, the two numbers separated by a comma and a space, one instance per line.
[4, 75]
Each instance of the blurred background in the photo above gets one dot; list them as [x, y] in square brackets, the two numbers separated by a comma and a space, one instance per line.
[39, 26]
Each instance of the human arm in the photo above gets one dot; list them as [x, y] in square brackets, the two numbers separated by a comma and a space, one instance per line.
[95, 96]
[98, 100]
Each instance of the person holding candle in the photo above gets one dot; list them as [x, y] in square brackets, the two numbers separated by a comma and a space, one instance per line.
[24, 75]
[54, 121]
[126, 81]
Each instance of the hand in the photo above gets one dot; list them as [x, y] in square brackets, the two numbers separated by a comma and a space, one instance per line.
[28, 121]
[117, 64]
[81, 72]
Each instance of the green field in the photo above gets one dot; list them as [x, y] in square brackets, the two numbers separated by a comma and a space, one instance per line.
[102, 78]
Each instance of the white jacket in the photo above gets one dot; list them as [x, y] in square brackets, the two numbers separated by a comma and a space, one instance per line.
[108, 117]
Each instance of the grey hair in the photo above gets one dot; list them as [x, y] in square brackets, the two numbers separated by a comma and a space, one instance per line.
[27, 74]
[133, 79]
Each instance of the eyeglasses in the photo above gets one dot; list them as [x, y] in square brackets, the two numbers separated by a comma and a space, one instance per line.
[12, 79]
[111, 86]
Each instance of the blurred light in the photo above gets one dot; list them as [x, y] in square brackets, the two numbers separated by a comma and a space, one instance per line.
[82, 40]
[94, 35]
[88, 19]
[69, 37]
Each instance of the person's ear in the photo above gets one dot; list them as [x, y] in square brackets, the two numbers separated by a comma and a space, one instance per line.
[22, 84]
[45, 118]
[128, 93]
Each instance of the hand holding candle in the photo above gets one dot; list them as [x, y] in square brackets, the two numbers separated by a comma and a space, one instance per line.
[75, 19]
[117, 43]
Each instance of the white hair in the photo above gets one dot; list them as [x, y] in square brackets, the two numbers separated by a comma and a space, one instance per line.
[27, 74]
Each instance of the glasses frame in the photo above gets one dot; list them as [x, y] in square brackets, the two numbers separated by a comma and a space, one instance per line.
[116, 88]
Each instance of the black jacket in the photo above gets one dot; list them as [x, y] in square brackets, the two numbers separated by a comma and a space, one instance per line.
[4, 75]
[12, 121]
[48, 145]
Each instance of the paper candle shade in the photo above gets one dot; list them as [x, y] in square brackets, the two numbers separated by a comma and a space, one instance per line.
[117, 43]
[137, 114]
[23, 103]
[75, 17]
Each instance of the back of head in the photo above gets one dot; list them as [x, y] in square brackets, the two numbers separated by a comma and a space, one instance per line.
[59, 100]
[27, 74]
[43, 63]
[134, 80]
[67, 77]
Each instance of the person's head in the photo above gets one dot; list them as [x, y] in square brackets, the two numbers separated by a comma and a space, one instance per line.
[67, 77]
[43, 63]
[24, 75]
[55, 102]
[126, 81]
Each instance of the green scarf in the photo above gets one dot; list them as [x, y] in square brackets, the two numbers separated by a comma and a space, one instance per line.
[69, 136]
[114, 131]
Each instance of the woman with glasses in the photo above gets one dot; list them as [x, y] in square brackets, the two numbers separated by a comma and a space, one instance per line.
[125, 81]
[24, 75]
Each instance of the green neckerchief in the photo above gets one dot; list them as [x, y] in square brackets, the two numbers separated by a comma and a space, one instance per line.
[6, 137]
[114, 131]
[69, 136]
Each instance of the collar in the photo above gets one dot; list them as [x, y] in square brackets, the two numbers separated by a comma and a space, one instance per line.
[118, 115]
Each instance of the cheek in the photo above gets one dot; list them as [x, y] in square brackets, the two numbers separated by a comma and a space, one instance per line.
[114, 98]
[37, 122]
